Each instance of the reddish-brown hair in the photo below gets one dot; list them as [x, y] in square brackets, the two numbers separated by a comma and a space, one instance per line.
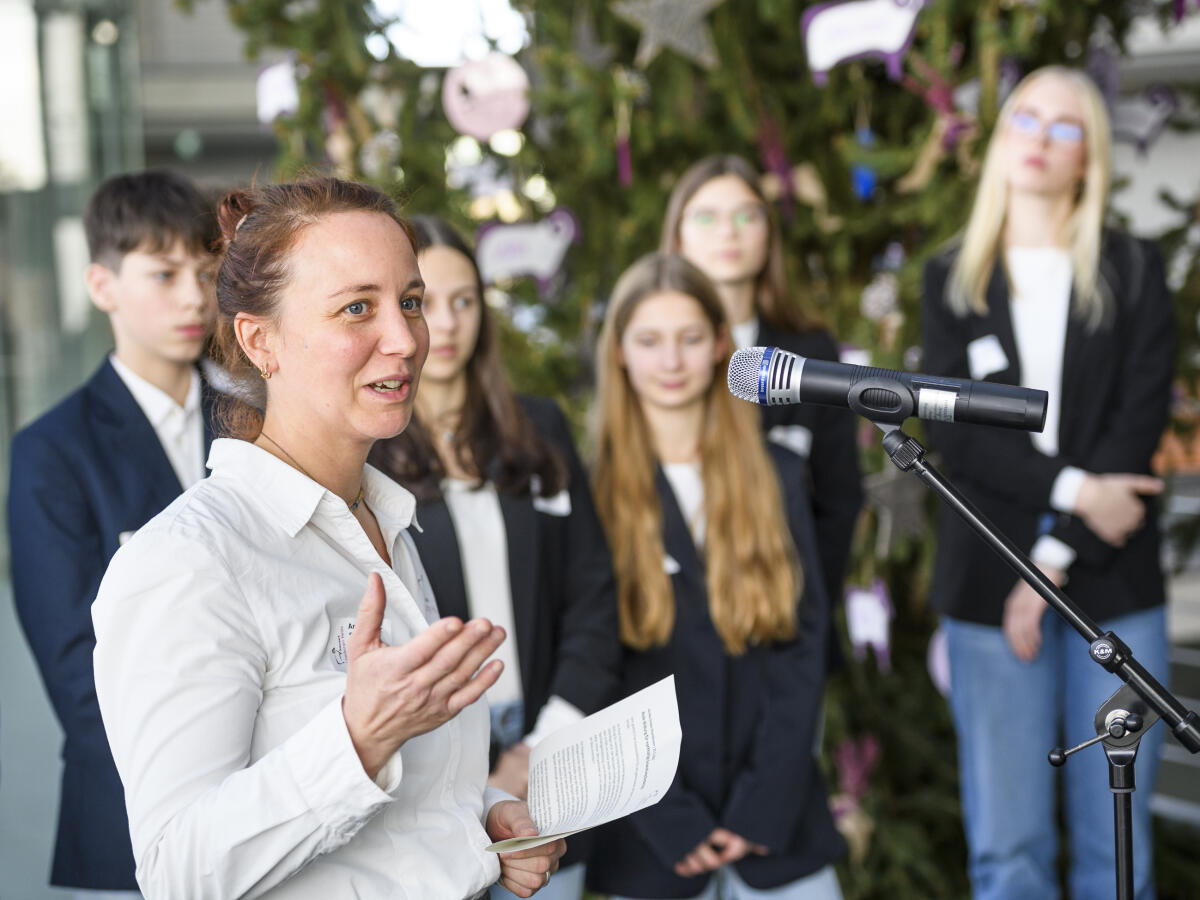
[259, 228]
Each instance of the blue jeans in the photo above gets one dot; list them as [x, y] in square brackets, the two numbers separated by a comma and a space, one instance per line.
[508, 720]
[1008, 714]
[726, 885]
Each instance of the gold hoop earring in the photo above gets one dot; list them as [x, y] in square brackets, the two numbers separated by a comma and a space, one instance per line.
[265, 372]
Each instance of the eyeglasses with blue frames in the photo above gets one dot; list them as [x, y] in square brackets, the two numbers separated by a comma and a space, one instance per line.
[1060, 131]
[742, 217]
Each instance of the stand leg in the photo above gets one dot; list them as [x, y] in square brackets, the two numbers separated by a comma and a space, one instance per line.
[1121, 783]
[1123, 817]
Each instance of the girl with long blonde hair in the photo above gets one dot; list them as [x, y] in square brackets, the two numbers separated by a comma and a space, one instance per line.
[718, 584]
[1038, 292]
[719, 219]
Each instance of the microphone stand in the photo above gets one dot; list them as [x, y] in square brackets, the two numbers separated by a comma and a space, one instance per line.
[1124, 717]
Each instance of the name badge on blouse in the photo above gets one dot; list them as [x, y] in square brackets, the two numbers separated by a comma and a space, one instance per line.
[985, 356]
[339, 641]
[558, 505]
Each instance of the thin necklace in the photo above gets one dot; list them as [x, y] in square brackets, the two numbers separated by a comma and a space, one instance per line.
[357, 500]
[448, 432]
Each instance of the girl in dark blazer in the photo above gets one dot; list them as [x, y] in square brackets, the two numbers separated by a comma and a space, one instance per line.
[719, 219]
[713, 544]
[507, 525]
[1037, 293]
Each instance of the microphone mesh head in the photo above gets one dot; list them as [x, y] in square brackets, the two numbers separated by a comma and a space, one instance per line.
[743, 372]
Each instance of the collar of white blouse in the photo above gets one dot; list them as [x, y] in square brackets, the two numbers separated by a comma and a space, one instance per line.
[291, 499]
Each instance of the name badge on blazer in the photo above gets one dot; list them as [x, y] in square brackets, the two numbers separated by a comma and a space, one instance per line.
[557, 505]
[796, 438]
[124, 537]
[671, 565]
[985, 356]
[339, 640]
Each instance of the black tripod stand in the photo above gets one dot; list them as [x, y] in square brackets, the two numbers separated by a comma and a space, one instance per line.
[1125, 716]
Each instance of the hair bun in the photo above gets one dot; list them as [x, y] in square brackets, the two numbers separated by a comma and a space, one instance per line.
[232, 213]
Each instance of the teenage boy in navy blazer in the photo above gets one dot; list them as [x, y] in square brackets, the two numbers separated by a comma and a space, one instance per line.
[97, 467]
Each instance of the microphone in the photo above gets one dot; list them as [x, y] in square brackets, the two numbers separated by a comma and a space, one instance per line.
[769, 376]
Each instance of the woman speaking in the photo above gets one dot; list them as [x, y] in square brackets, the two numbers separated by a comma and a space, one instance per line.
[277, 730]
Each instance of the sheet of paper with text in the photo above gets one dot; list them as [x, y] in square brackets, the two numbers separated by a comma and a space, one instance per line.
[613, 763]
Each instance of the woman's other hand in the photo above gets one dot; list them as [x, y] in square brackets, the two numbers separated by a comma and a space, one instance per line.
[396, 693]
[1023, 611]
[523, 872]
[1111, 505]
[511, 774]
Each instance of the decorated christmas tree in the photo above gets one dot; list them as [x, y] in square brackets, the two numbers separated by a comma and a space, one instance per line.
[869, 119]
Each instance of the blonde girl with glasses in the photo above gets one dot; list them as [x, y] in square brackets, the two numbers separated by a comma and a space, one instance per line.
[1038, 292]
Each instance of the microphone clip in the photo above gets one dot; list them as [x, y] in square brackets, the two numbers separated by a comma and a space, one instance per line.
[881, 400]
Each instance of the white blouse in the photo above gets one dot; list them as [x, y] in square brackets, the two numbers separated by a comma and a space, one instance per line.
[180, 429]
[1040, 307]
[687, 482]
[1041, 299]
[221, 631]
[483, 548]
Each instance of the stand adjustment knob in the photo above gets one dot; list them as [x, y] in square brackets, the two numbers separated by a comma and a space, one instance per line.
[1058, 755]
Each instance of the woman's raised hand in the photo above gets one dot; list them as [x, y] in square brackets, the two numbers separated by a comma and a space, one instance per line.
[396, 693]
[1111, 505]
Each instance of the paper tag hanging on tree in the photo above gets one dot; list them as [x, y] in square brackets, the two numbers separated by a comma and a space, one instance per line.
[869, 616]
[486, 96]
[677, 24]
[1140, 120]
[276, 92]
[534, 249]
[853, 29]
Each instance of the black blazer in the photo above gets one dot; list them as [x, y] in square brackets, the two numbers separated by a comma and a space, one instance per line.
[749, 725]
[834, 480]
[560, 572]
[1116, 386]
[83, 475]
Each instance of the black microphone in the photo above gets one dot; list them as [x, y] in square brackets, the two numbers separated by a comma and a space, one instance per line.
[773, 377]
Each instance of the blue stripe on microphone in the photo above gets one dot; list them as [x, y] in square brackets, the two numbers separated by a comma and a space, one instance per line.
[763, 369]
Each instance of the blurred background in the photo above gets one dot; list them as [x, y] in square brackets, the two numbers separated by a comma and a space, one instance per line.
[554, 131]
